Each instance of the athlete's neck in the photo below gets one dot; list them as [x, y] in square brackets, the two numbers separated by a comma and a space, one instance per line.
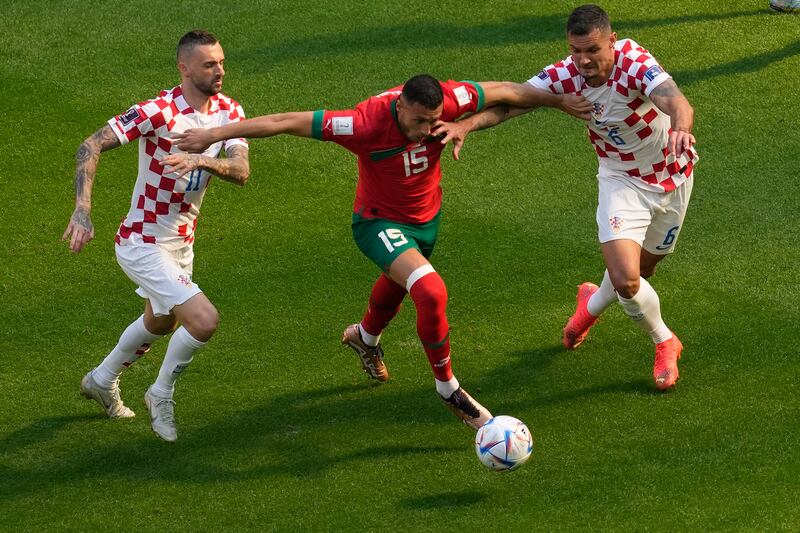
[199, 101]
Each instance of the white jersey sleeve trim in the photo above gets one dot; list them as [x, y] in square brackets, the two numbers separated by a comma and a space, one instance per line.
[658, 80]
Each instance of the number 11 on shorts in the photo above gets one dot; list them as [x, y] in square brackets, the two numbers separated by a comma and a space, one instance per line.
[392, 238]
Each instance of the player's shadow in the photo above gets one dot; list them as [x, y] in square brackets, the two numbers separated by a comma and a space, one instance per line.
[420, 35]
[745, 65]
[290, 435]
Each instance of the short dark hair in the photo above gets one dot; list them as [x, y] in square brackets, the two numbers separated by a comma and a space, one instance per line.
[424, 89]
[587, 18]
[194, 38]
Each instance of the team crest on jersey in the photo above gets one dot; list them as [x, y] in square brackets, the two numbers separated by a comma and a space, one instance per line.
[653, 72]
[616, 223]
[129, 116]
[598, 110]
[183, 279]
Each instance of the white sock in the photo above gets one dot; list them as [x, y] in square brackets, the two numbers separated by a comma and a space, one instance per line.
[446, 388]
[604, 297]
[179, 354]
[133, 343]
[368, 338]
[645, 309]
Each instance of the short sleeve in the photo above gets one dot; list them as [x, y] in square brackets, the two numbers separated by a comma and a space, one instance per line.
[559, 78]
[461, 97]
[642, 68]
[137, 121]
[236, 115]
[345, 128]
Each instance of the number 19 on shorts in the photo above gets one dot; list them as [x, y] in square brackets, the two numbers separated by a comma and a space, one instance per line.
[392, 238]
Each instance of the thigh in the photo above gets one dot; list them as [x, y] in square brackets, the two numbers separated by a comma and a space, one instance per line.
[161, 277]
[384, 241]
[623, 212]
[668, 217]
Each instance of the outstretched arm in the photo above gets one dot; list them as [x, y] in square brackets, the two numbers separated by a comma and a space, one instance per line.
[669, 99]
[297, 123]
[526, 96]
[458, 131]
[80, 229]
[235, 168]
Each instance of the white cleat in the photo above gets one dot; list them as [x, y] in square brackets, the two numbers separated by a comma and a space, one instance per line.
[108, 398]
[162, 416]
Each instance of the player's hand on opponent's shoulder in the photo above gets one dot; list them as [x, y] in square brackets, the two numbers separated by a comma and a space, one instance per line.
[451, 131]
[80, 229]
[181, 163]
[194, 140]
[680, 141]
[577, 106]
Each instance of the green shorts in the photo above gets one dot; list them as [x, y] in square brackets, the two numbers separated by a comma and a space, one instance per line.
[383, 240]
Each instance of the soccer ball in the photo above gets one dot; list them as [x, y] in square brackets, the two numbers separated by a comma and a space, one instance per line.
[503, 443]
[787, 6]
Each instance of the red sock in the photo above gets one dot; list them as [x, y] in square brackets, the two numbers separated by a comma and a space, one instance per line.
[430, 298]
[384, 303]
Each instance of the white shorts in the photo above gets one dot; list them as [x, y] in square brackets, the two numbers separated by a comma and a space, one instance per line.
[652, 219]
[164, 276]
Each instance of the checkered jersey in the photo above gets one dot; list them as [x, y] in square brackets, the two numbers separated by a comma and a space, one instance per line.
[164, 209]
[628, 132]
[397, 179]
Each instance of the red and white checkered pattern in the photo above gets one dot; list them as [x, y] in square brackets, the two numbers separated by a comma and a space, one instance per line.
[628, 132]
[164, 209]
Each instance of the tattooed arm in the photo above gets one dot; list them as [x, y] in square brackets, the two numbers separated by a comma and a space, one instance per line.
[669, 99]
[235, 168]
[80, 229]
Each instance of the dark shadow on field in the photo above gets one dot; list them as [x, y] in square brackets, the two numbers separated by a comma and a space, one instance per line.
[745, 65]
[285, 436]
[522, 373]
[445, 500]
[428, 36]
[40, 431]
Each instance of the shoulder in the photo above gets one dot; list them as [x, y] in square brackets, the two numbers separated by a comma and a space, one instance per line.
[229, 106]
[632, 50]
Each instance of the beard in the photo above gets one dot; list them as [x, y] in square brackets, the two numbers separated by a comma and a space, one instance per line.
[208, 88]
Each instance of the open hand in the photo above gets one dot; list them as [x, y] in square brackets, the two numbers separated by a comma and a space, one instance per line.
[451, 131]
[80, 230]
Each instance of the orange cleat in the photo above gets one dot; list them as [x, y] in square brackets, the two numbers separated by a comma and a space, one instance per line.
[665, 369]
[579, 323]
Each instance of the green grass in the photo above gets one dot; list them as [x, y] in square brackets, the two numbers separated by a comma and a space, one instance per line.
[279, 430]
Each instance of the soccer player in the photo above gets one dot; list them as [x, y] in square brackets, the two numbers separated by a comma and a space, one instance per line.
[154, 243]
[641, 129]
[396, 213]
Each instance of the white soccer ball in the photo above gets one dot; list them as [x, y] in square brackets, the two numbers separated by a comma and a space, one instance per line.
[787, 6]
[503, 443]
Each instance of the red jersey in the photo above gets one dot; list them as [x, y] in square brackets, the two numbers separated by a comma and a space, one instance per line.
[397, 179]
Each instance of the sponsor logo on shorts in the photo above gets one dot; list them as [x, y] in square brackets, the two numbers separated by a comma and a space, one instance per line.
[616, 224]
[183, 279]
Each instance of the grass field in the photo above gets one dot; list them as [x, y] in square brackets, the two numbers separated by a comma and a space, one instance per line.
[279, 429]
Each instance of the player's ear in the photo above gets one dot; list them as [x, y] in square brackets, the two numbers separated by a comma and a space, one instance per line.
[612, 39]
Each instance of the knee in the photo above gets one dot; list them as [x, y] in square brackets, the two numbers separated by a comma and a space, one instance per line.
[626, 286]
[203, 323]
[430, 293]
